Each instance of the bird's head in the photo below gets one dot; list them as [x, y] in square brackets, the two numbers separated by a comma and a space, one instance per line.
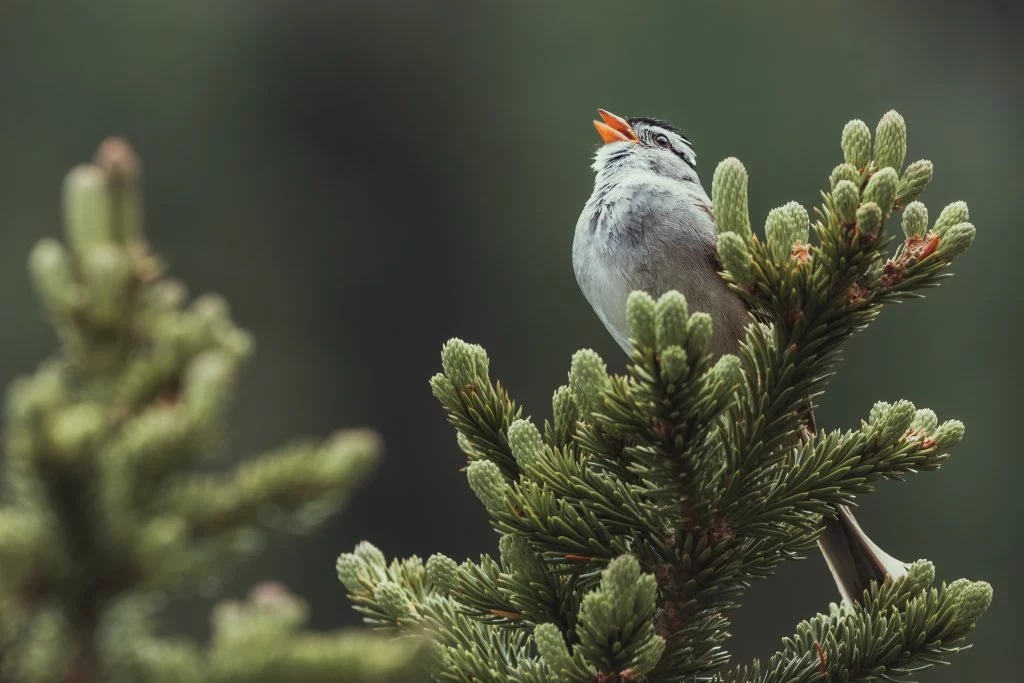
[643, 144]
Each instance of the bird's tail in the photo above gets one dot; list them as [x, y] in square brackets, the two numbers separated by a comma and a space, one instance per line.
[853, 558]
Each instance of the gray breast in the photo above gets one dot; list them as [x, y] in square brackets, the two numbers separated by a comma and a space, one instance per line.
[653, 235]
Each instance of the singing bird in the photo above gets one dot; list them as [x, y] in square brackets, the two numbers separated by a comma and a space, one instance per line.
[649, 226]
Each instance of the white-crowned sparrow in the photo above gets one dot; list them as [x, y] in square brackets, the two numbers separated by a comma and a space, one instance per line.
[649, 226]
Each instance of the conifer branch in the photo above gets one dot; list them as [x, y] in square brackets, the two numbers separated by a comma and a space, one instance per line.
[897, 631]
[835, 467]
[103, 509]
[635, 520]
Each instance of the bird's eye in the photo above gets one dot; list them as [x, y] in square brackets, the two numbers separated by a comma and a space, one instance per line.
[661, 140]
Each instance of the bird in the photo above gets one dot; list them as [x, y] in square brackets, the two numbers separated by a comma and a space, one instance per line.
[649, 226]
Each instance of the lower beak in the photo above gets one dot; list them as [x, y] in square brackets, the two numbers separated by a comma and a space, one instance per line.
[614, 128]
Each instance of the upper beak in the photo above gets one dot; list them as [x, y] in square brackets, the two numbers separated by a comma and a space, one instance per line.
[614, 128]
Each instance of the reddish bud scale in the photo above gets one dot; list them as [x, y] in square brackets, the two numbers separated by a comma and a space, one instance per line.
[893, 272]
[921, 247]
[914, 435]
[801, 253]
[577, 558]
[916, 248]
[822, 659]
[858, 294]
[511, 616]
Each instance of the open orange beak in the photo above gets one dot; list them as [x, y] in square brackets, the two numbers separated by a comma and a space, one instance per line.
[614, 128]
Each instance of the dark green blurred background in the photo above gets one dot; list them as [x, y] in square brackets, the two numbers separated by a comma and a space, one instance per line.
[364, 180]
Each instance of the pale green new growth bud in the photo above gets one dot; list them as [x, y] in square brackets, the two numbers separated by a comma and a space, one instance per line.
[236, 342]
[729, 198]
[949, 433]
[552, 648]
[773, 224]
[897, 420]
[649, 655]
[728, 371]
[784, 227]
[956, 240]
[465, 445]
[881, 189]
[699, 331]
[640, 316]
[464, 363]
[564, 410]
[588, 378]
[440, 385]
[517, 553]
[953, 214]
[878, 413]
[442, 572]
[621, 576]
[846, 199]
[351, 572]
[735, 257]
[488, 483]
[356, 450]
[798, 222]
[212, 309]
[167, 294]
[87, 217]
[856, 143]
[42, 392]
[925, 421]
[75, 430]
[915, 220]
[51, 274]
[956, 588]
[673, 363]
[526, 443]
[209, 379]
[869, 217]
[974, 600]
[107, 274]
[391, 598]
[844, 172]
[229, 618]
[116, 157]
[623, 606]
[625, 585]
[274, 601]
[481, 363]
[920, 575]
[914, 180]
[671, 313]
[891, 141]
[370, 555]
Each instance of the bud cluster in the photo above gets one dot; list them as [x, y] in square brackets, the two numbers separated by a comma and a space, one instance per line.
[680, 338]
[97, 279]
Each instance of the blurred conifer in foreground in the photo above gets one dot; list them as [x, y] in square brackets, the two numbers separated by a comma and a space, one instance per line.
[104, 510]
[633, 521]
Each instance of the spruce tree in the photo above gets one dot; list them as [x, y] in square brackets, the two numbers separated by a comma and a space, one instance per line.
[105, 507]
[631, 522]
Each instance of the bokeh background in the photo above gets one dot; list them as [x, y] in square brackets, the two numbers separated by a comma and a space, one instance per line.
[363, 180]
